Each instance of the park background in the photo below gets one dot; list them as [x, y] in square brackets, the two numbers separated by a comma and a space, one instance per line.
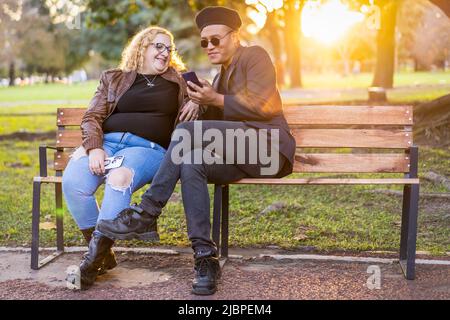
[325, 51]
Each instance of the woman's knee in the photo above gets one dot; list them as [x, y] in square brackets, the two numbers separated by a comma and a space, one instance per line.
[120, 179]
[76, 179]
[74, 186]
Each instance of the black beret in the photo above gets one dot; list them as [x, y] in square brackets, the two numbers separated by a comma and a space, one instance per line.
[218, 15]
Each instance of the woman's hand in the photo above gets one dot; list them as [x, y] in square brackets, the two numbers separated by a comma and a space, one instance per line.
[97, 161]
[190, 111]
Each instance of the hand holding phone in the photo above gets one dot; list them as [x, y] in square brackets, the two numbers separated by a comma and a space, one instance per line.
[192, 77]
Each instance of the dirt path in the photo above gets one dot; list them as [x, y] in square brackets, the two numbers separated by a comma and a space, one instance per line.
[156, 276]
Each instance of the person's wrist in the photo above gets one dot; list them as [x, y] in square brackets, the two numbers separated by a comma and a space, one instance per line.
[219, 100]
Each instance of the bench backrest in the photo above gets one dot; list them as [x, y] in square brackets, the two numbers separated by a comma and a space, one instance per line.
[379, 137]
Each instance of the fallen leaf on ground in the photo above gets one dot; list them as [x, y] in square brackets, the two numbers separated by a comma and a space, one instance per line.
[300, 237]
[47, 225]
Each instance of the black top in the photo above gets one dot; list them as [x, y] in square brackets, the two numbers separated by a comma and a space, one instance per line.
[148, 112]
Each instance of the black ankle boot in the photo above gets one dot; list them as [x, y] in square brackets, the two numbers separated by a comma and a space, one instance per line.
[99, 247]
[131, 223]
[207, 272]
[110, 258]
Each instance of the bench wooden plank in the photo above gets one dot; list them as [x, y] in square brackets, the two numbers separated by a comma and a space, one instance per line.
[351, 163]
[320, 162]
[353, 138]
[305, 138]
[61, 159]
[49, 179]
[305, 115]
[68, 138]
[69, 116]
[324, 181]
[304, 181]
[349, 115]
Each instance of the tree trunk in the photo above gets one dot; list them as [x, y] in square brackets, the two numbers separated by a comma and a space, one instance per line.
[384, 70]
[274, 38]
[292, 35]
[344, 54]
[430, 112]
[432, 122]
[12, 73]
[418, 66]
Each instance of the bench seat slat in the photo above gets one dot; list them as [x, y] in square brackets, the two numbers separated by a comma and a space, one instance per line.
[324, 181]
[287, 181]
[49, 179]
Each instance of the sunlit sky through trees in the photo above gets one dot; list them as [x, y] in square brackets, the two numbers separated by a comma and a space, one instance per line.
[325, 22]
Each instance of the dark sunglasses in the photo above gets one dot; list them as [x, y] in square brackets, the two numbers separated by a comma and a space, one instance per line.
[161, 47]
[214, 40]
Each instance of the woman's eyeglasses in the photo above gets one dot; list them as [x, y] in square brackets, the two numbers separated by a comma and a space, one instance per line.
[161, 47]
[214, 40]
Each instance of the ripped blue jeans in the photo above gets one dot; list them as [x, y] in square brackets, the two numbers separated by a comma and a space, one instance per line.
[141, 161]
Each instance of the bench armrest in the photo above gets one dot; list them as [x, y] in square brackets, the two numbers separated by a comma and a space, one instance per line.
[43, 159]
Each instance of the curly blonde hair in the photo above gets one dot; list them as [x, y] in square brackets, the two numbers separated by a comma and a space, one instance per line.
[133, 54]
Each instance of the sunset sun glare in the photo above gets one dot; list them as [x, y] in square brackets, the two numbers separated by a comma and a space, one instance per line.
[327, 23]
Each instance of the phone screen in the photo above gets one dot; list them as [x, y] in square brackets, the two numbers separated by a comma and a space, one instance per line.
[192, 77]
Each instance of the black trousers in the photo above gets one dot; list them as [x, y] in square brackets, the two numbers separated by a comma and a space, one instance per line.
[195, 177]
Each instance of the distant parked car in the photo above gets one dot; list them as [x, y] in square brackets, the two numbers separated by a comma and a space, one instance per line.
[4, 82]
[78, 76]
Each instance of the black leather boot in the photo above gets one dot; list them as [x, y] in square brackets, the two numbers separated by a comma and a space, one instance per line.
[99, 247]
[131, 223]
[110, 258]
[207, 272]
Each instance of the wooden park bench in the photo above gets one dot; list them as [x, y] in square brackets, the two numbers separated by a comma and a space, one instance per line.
[382, 135]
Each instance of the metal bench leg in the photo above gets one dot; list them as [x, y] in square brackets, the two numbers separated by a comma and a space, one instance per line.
[225, 207]
[36, 211]
[59, 218]
[409, 230]
[216, 215]
[410, 213]
[36, 214]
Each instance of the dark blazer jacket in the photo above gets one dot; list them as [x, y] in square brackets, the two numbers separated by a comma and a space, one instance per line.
[252, 96]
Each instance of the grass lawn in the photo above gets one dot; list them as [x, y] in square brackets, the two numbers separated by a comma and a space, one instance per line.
[407, 95]
[427, 86]
[41, 123]
[364, 80]
[49, 92]
[325, 217]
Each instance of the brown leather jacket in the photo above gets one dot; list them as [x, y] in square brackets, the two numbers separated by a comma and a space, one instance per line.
[113, 84]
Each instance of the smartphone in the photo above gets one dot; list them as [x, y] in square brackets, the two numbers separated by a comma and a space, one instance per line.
[113, 162]
[192, 77]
